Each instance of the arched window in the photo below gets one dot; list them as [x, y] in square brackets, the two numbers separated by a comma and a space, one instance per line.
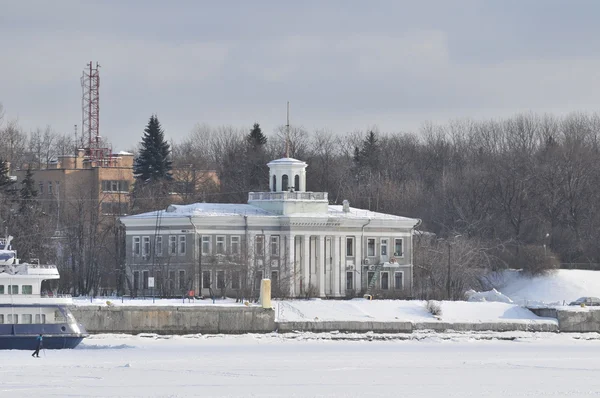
[297, 183]
[284, 183]
[274, 183]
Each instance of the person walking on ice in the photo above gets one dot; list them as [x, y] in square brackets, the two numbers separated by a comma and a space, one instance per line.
[39, 340]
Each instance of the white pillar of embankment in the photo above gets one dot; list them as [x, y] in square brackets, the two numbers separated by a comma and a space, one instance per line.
[265, 293]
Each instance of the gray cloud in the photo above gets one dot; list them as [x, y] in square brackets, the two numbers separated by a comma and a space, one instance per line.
[344, 65]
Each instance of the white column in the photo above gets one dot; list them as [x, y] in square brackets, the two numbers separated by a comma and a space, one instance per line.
[321, 264]
[336, 265]
[343, 266]
[290, 271]
[305, 263]
[359, 265]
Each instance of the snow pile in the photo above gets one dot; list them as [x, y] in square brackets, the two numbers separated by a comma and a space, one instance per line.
[492, 295]
[556, 289]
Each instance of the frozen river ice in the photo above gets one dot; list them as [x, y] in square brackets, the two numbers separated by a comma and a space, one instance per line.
[306, 365]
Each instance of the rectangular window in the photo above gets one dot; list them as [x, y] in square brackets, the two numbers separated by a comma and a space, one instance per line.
[26, 318]
[13, 318]
[145, 246]
[235, 280]
[274, 277]
[220, 245]
[258, 275]
[205, 279]
[349, 280]
[49, 187]
[172, 280]
[349, 247]
[260, 245]
[27, 289]
[158, 282]
[137, 249]
[41, 188]
[398, 280]
[182, 245]
[158, 246]
[370, 276]
[136, 280]
[115, 186]
[1, 289]
[145, 279]
[384, 247]
[172, 245]
[385, 280]
[275, 245]
[181, 279]
[206, 245]
[398, 247]
[371, 247]
[220, 279]
[1, 319]
[40, 320]
[13, 289]
[235, 245]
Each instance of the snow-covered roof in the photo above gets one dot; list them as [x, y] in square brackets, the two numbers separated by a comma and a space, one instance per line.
[125, 153]
[286, 161]
[207, 210]
[233, 209]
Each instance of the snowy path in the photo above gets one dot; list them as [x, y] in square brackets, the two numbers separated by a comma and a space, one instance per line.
[429, 365]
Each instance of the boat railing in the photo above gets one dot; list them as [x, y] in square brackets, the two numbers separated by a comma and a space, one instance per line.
[52, 295]
[41, 266]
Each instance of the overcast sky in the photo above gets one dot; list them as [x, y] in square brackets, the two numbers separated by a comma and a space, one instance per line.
[343, 65]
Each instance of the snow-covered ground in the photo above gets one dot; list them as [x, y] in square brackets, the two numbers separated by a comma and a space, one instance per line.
[504, 305]
[419, 364]
[306, 365]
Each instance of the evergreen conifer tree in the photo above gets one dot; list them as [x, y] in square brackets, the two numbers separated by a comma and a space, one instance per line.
[153, 162]
[256, 168]
[5, 182]
[28, 191]
[256, 138]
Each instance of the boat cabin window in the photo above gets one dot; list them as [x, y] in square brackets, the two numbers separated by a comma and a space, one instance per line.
[12, 318]
[1, 289]
[37, 318]
[1, 319]
[13, 289]
[26, 289]
[59, 317]
[26, 318]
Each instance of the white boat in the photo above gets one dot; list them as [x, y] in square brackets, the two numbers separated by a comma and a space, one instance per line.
[25, 312]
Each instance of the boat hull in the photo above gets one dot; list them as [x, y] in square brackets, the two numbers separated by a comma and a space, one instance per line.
[22, 336]
[30, 342]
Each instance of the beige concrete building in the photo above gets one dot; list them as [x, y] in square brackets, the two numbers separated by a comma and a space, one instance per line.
[75, 177]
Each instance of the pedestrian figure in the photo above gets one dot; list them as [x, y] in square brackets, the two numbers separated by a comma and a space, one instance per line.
[39, 340]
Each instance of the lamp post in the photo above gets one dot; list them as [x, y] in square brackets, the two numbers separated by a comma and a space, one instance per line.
[448, 284]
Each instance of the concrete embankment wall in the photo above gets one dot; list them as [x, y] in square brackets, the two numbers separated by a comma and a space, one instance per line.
[175, 320]
[573, 320]
[235, 320]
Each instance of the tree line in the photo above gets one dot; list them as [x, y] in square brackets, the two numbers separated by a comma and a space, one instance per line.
[514, 191]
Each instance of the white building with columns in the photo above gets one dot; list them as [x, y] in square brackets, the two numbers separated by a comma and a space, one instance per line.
[306, 246]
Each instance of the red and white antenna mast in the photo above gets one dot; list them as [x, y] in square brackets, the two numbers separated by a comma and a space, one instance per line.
[90, 112]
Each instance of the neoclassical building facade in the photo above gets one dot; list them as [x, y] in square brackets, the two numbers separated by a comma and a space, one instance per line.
[307, 247]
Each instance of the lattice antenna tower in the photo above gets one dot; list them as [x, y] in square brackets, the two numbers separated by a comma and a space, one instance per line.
[90, 112]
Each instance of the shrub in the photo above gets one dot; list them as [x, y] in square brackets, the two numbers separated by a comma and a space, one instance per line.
[534, 260]
[434, 307]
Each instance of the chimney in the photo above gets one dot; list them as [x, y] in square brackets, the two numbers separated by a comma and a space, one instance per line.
[346, 206]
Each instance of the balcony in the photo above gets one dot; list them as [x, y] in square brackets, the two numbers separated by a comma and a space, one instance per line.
[304, 196]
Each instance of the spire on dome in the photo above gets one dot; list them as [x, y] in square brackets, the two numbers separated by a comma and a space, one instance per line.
[287, 132]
